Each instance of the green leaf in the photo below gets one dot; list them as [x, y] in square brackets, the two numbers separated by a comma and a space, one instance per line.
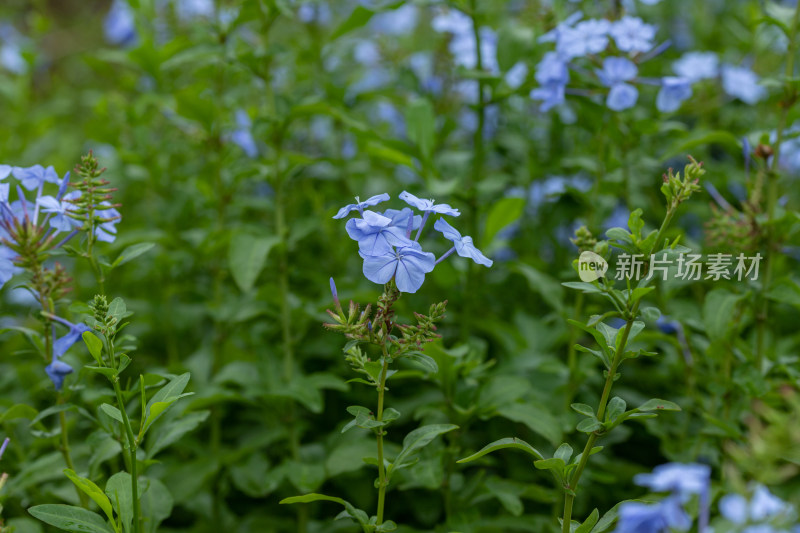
[425, 361]
[172, 432]
[589, 523]
[247, 255]
[358, 18]
[112, 411]
[357, 514]
[564, 452]
[785, 291]
[615, 408]
[118, 490]
[132, 252]
[536, 416]
[503, 213]
[70, 518]
[508, 442]
[658, 405]
[421, 125]
[17, 411]
[157, 503]
[94, 345]
[549, 288]
[583, 409]
[416, 440]
[118, 309]
[589, 425]
[718, 308]
[93, 491]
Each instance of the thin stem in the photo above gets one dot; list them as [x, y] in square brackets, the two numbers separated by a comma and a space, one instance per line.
[379, 432]
[572, 359]
[772, 193]
[131, 441]
[572, 483]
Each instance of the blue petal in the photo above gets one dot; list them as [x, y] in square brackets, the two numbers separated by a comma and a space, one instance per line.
[57, 371]
[410, 199]
[374, 200]
[734, 508]
[622, 96]
[450, 233]
[63, 344]
[380, 268]
[465, 248]
[412, 267]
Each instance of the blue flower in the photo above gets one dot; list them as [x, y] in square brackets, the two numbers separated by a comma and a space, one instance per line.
[359, 205]
[7, 268]
[742, 83]
[400, 218]
[516, 75]
[398, 21]
[34, 177]
[672, 93]
[668, 326]
[696, 66]
[191, 9]
[762, 513]
[407, 265]
[243, 135]
[615, 72]
[119, 25]
[64, 343]
[681, 479]
[5, 171]
[60, 209]
[463, 246]
[587, 37]
[635, 517]
[427, 206]
[57, 371]
[632, 35]
[552, 75]
[375, 233]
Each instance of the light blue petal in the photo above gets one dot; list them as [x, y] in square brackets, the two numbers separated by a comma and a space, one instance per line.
[450, 233]
[734, 508]
[380, 268]
[622, 96]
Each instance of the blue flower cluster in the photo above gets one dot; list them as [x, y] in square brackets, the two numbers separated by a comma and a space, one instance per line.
[763, 513]
[385, 243]
[625, 44]
[682, 481]
[47, 215]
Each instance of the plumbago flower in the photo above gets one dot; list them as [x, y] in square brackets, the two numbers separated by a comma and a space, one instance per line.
[682, 481]
[393, 259]
[385, 244]
[762, 512]
[31, 229]
[619, 46]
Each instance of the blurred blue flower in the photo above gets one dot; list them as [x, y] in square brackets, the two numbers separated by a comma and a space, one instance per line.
[632, 35]
[552, 75]
[742, 83]
[11, 50]
[462, 43]
[34, 177]
[635, 517]
[119, 26]
[106, 231]
[696, 66]
[764, 512]
[375, 233]
[366, 52]
[587, 37]
[789, 150]
[618, 218]
[314, 13]
[427, 206]
[615, 72]
[682, 480]
[516, 75]
[407, 265]
[7, 268]
[674, 91]
[64, 343]
[398, 21]
[57, 371]
[359, 205]
[192, 9]
[463, 246]
[243, 135]
[667, 325]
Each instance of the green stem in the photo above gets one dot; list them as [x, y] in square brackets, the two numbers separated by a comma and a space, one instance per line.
[379, 417]
[131, 441]
[572, 356]
[65, 451]
[772, 192]
[572, 484]
[477, 172]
